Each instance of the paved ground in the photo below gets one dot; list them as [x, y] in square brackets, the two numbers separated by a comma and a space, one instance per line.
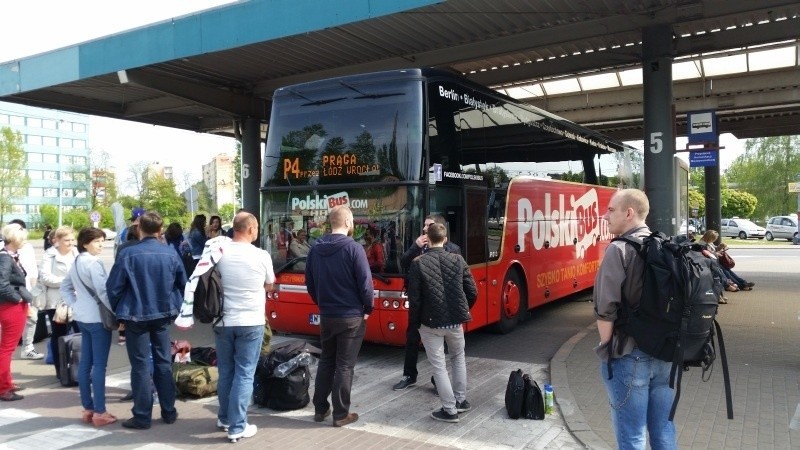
[761, 334]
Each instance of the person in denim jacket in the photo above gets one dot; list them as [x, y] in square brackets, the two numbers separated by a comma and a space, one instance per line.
[145, 287]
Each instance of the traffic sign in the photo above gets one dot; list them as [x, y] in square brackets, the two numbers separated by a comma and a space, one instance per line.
[94, 216]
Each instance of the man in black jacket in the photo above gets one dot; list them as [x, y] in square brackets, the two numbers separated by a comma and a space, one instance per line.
[441, 292]
[412, 334]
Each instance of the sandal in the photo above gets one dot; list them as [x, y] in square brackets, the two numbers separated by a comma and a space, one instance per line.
[731, 288]
[746, 288]
[723, 300]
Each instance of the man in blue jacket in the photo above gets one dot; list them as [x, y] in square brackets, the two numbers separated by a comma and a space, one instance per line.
[340, 283]
[145, 287]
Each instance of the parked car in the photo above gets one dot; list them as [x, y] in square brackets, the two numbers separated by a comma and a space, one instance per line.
[684, 230]
[110, 234]
[781, 227]
[741, 228]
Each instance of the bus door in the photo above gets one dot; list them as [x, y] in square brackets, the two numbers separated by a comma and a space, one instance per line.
[465, 209]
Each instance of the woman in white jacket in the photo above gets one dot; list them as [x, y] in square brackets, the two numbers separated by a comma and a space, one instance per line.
[56, 262]
[82, 288]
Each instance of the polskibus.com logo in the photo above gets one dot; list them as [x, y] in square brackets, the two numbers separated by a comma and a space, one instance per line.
[579, 224]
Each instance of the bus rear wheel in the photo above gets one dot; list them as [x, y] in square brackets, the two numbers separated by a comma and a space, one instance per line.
[513, 303]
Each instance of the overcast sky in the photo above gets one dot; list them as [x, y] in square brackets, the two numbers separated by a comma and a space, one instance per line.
[35, 26]
[31, 27]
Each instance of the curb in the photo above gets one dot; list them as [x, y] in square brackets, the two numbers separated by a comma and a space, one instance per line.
[570, 410]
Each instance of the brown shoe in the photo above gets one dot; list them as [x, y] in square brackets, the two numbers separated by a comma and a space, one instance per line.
[319, 417]
[87, 415]
[106, 418]
[347, 420]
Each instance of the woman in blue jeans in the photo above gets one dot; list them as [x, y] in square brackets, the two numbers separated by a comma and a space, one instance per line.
[85, 280]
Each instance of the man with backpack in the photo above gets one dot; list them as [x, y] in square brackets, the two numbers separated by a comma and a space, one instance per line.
[246, 273]
[637, 383]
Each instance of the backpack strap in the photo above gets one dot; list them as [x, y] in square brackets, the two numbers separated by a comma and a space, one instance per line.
[725, 374]
[637, 244]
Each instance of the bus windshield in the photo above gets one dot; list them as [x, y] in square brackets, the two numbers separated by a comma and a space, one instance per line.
[364, 140]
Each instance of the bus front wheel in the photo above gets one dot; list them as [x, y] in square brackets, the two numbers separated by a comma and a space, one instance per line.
[513, 303]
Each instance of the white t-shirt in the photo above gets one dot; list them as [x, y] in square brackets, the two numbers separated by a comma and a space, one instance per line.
[244, 269]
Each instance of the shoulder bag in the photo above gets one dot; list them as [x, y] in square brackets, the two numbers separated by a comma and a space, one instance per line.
[726, 260]
[107, 317]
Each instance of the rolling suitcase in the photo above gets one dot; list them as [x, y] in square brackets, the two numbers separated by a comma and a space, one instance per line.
[69, 356]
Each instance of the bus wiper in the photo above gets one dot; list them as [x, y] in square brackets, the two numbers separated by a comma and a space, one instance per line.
[364, 95]
[289, 264]
[315, 102]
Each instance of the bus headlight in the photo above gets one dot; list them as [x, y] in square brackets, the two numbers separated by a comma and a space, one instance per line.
[405, 304]
[395, 304]
[273, 315]
[391, 326]
[385, 304]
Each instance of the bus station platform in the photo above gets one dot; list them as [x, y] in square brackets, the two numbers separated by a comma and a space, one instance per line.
[760, 330]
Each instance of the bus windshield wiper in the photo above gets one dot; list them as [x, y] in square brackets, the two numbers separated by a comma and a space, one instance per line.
[368, 96]
[315, 102]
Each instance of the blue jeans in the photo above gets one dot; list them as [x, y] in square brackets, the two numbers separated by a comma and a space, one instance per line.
[95, 345]
[144, 339]
[238, 349]
[640, 400]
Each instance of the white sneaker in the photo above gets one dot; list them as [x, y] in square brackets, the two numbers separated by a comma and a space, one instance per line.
[30, 353]
[249, 431]
[222, 426]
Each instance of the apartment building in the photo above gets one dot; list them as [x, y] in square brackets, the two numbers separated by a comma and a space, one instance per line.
[56, 144]
[219, 177]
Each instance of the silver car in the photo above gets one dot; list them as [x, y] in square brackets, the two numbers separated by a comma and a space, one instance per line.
[781, 227]
[741, 228]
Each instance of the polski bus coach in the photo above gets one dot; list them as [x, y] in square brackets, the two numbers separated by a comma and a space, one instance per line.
[522, 191]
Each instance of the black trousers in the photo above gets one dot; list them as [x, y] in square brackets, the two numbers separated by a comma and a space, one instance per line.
[341, 339]
[412, 353]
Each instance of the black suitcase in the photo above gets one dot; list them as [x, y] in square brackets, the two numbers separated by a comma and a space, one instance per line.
[69, 356]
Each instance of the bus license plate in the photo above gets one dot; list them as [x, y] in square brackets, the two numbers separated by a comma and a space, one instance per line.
[313, 319]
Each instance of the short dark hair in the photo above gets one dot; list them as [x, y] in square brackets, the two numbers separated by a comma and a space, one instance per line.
[19, 222]
[436, 233]
[150, 222]
[87, 235]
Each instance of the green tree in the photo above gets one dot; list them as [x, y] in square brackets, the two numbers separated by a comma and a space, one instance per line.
[13, 179]
[226, 212]
[162, 197]
[49, 215]
[765, 169]
[204, 203]
[697, 201]
[237, 173]
[738, 203]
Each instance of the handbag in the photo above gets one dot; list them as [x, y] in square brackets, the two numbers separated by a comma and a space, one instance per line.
[726, 261]
[63, 314]
[107, 317]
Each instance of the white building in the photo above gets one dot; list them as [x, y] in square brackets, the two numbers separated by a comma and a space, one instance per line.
[220, 179]
[56, 144]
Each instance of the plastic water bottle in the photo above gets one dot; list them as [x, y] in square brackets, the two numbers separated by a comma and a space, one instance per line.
[548, 399]
[303, 359]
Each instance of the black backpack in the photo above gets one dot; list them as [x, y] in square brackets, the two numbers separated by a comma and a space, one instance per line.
[515, 394]
[289, 392]
[208, 296]
[533, 404]
[676, 317]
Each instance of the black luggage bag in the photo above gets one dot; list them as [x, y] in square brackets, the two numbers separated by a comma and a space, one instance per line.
[69, 356]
